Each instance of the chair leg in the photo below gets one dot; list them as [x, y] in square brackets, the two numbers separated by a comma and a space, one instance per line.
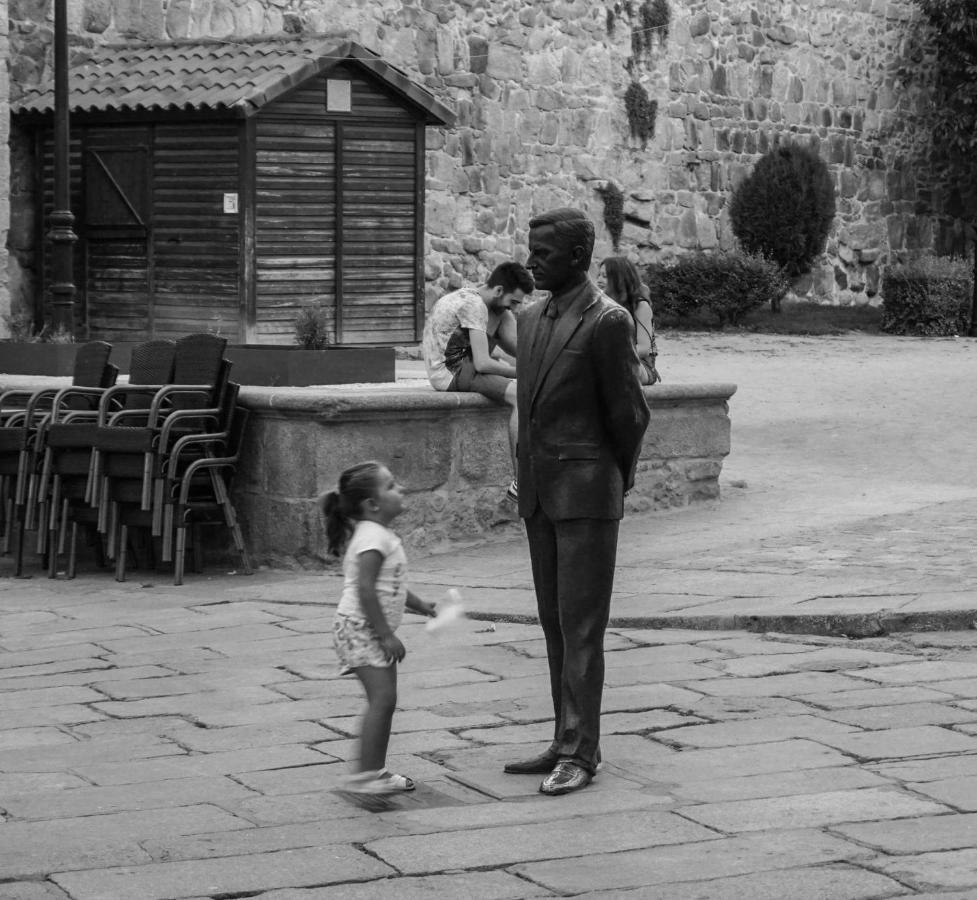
[8, 522]
[147, 483]
[103, 507]
[111, 514]
[230, 519]
[181, 552]
[73, 551]
[167, 548]
[56, 539]
[122, 539]
[157, 529]
[18, 544]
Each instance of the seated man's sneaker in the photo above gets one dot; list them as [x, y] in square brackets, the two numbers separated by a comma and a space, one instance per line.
[565, 778]
[512, 492]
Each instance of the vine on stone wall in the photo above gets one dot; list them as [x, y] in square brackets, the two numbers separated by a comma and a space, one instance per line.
[642, 112]
[613, 211]
[652, 19]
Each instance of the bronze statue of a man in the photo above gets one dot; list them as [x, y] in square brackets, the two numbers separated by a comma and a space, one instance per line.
[582, 417]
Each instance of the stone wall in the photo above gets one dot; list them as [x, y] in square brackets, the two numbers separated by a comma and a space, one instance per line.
[451, 452]
[4, 164]
[539, 90]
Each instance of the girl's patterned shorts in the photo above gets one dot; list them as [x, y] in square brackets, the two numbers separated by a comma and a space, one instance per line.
[357, 645]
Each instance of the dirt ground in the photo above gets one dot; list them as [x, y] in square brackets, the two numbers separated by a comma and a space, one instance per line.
[862, 421]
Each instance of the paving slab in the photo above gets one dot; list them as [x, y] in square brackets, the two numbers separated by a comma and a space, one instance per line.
[254, 873]
[915, 835]
[563, 839]
[945, 869]
[837, 882]
[719, 858]
[814, 810]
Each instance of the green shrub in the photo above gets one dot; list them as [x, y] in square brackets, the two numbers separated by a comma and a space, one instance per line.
[21, 327]
[313, 327]
[928, 297]
[713, 289]
[785, 207]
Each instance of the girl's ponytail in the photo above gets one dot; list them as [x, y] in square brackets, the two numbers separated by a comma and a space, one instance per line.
[341, 507]
[338, 526]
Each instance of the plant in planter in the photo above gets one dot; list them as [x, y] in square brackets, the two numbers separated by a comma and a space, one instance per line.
[312, 327]
[311, 359]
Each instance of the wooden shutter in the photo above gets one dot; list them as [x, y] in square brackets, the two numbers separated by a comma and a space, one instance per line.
[295, 220]
[378, 231]
[195, 243]
[117, 217]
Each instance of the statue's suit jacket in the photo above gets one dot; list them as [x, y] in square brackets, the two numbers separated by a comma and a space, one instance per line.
[582, 412]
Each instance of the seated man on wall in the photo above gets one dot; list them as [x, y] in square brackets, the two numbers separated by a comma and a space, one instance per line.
[461, 335]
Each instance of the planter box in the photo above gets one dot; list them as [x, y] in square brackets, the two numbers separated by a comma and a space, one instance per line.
[282, 366]
[19, 358]
[258, 364]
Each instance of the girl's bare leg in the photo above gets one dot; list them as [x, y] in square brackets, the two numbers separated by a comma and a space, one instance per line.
[380, 685]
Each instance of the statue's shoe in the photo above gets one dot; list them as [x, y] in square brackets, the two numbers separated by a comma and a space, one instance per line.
[566, 778]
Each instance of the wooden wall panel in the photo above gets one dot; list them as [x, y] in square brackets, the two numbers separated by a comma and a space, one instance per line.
[379, 232]
[307, 190]
[295, 216]
[195, 243]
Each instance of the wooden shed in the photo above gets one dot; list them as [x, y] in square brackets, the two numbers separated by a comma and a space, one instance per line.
[223, 185]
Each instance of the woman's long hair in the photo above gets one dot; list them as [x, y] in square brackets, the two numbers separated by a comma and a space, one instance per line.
[623, 282]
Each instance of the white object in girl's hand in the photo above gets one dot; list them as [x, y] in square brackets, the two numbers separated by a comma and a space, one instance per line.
[449, 614]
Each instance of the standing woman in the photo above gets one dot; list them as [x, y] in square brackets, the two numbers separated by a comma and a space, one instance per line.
[618, 278]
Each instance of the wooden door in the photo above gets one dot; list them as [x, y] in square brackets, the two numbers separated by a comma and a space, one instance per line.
[116, 233]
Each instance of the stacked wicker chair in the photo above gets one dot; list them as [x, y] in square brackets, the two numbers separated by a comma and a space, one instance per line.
[26, 418]
[66, 475]
[157, 454]
[134, 447]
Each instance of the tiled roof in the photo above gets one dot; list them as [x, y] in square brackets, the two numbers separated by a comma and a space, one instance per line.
[236, 74]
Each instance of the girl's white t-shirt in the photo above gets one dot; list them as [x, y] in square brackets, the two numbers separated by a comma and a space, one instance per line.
[391, 579]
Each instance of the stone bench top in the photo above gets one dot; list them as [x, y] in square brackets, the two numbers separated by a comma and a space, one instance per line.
[414, 394]
[419, 396]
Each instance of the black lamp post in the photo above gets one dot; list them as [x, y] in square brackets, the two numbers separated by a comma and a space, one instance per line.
[60, 221]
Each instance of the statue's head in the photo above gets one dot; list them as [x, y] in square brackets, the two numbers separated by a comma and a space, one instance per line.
[561, 244]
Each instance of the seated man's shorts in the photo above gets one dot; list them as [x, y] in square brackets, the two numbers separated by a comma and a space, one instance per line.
[468, 380]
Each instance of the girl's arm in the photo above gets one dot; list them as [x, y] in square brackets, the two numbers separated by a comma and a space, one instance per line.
[416, 604]
[644, 329]
[370, 562]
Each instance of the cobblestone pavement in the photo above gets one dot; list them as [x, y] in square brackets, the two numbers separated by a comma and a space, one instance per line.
[160, 742]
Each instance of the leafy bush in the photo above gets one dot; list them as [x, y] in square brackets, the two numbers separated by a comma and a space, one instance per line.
[718, 289]
[23, 330]
[928, 297]
[21, 327]
[785, 207]
[312, 327]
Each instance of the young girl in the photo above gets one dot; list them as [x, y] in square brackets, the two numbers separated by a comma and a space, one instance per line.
[618, 278]
[375, 592]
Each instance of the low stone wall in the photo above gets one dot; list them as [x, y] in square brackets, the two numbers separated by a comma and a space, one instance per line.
[450, 450]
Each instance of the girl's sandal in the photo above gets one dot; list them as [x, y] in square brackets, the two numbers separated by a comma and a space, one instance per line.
[373, 791]
[394, 783]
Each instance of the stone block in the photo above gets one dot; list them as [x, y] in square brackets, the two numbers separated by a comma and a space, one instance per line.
[686, 432]
[478, 49]
[699, 24]
[504, 62]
